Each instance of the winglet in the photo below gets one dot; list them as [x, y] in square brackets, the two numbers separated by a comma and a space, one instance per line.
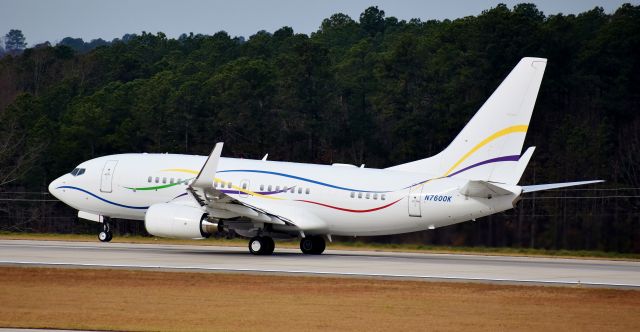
[204, 180]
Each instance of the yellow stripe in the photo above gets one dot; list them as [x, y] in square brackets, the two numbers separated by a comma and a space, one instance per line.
[249, 192]
[254, 193]
[183, 170]
[505, 131]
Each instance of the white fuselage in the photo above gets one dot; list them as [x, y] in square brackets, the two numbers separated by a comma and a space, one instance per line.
[350, 200]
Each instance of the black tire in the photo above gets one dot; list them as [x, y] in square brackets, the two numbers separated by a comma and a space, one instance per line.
[105, 236]
[312, 245]
[261, 245]
[271, 245]
[306, 245]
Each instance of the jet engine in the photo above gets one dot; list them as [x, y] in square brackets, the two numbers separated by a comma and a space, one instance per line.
[178, 221]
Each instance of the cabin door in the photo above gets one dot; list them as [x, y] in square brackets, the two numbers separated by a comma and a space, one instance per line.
[415, 200]
[107, 176]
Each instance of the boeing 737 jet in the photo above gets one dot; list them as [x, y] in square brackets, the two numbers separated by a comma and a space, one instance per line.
[191, 197]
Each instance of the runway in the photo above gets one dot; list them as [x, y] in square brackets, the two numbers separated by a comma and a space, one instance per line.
[476, 268]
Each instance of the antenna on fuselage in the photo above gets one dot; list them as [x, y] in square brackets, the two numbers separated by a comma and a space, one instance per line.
[265, 157]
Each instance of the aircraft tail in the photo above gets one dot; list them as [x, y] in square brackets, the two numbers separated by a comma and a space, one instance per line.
[489, 146]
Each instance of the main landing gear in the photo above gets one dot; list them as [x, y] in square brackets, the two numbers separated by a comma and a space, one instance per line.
[106, 235]
[312, 245]
[261, 245]
[264, 245]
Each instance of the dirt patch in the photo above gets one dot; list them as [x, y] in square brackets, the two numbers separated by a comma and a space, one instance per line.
[169, 301]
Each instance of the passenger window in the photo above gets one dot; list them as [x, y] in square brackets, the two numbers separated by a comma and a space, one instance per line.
[382, 197]
[157, 179]
[359, 195]
[299, 190]
[179, 180]
[262, 187]
[367, 196]
[150, 179]
[164, 180]
[269, 188]
[215, 184]
[244, 186]
[353, 194]
[375, 196]
[277, 188]
[171, 180]
[307, 191]
[292, 190]
[229, 185]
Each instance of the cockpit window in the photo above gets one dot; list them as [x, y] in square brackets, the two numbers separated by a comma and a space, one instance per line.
[77, 171]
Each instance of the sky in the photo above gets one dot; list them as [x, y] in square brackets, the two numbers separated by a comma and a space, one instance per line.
[52, 20]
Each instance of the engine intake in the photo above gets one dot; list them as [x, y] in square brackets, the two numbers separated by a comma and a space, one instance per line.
[178, 221]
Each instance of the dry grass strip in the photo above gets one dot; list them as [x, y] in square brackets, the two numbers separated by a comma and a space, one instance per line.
[171, 301]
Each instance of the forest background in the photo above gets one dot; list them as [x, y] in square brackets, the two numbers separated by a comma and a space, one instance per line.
[376, 90]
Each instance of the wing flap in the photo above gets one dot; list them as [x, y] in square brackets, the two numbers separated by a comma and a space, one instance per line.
[289, 214]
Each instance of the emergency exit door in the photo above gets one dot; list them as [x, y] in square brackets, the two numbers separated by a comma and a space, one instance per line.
[414, 201]
[107, 176]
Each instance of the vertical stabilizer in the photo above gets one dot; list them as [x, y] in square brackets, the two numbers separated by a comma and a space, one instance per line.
[492, 141]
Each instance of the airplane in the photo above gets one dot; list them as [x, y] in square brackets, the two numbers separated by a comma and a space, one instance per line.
[192, 197]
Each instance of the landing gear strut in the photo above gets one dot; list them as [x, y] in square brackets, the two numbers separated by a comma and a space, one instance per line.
[312, 245]
[106, 235]
[261, 245]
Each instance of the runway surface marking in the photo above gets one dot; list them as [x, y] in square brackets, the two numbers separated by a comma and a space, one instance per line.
[451, 267]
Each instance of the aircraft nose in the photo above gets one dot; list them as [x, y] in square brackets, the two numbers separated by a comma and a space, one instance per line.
[53, 185]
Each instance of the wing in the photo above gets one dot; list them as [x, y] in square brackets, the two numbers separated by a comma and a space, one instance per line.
[221, 205]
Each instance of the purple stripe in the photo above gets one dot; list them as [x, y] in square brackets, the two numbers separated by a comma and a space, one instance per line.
[494, 160]
[237, 192]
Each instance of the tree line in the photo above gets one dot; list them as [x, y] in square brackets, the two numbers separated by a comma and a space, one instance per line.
[375, 90]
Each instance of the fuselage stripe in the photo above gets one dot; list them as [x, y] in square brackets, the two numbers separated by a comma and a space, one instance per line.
[104, 199]
[350, 210]
[301, 179]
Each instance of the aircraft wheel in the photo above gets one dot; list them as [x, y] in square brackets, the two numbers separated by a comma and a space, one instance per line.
[271, 245]
[261, 245]
[105, 236]
[312, 245]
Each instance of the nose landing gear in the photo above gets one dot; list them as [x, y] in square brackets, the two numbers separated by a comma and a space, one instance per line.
[106, 235]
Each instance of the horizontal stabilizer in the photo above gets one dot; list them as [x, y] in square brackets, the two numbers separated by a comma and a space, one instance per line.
[484, 189]
[540, 187]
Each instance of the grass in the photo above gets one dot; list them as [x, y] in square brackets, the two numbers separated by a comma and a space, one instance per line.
[100, 299]
[357, 245]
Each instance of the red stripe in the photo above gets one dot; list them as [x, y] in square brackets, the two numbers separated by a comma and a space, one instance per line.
[350, 210]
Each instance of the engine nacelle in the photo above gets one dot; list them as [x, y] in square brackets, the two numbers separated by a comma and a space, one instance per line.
[177, 221]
